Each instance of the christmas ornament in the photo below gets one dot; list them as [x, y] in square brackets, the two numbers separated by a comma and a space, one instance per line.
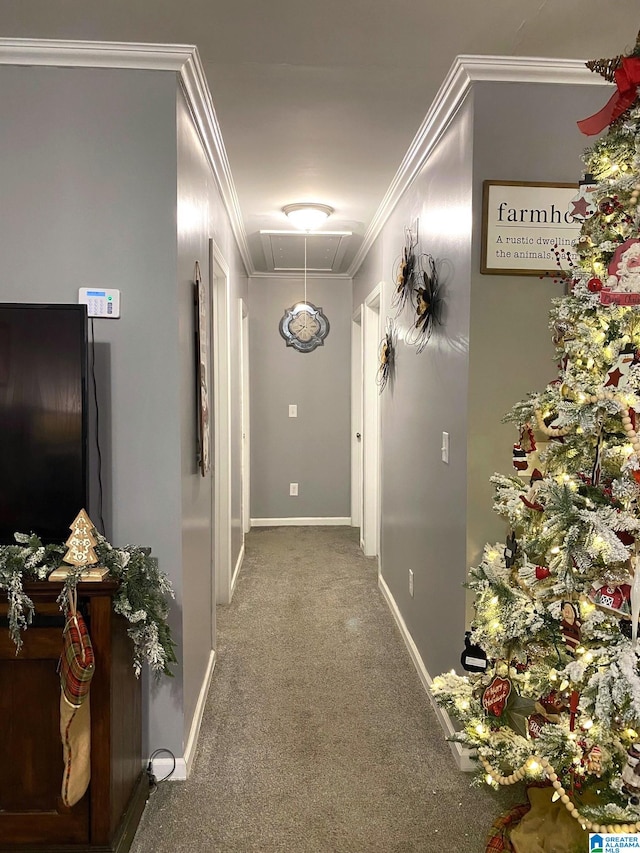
[618, 375]
[582, 205]
[81, 552]
[607, 206]
[623, 283]
[631, 775]
[552, 706]
[520, 462]
[535, 725]
[570, 626]
[510, 551]
[494, 697]
[573, 709]
[530, 500]
[593, 761]
[615, 600]
[594, 285]
[561, 333]
[524, 452]
[473, 658]
[542, 572]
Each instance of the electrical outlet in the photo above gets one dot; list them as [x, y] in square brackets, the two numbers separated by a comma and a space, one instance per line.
[445, 447]
[293, 489]
[411, 582]
[293, 410]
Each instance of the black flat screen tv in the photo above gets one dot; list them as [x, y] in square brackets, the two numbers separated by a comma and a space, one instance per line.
[43, 419]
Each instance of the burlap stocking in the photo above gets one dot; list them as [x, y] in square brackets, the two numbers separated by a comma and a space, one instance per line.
[75, 730]
[76, 671]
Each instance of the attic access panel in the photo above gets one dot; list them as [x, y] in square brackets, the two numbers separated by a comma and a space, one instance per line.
[284, 251]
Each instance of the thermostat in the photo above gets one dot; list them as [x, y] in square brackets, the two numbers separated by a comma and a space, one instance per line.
[100, 302]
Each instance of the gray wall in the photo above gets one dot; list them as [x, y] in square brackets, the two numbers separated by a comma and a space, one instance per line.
[313, 449]
[105, 184]
[493, 347]
[512, 352]
[423, 500]
[200, 215]
[88, 176]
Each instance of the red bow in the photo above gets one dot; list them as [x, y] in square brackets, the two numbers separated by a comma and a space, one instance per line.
[627, 80]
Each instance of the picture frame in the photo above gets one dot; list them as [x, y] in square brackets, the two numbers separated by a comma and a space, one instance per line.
[203, 420]
[524, 223]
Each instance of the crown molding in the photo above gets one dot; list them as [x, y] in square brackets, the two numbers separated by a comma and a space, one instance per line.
[198, 95]
[465, 71]
[184, 60]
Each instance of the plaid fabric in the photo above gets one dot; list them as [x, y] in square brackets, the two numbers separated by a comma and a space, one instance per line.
[77, 661]
[499, 836]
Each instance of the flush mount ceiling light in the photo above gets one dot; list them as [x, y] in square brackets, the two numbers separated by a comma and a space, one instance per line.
[309, 216]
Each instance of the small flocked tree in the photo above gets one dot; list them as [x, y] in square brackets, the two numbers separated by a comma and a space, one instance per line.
[557, 604]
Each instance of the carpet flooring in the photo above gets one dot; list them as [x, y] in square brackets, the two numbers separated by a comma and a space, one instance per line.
[317, 735]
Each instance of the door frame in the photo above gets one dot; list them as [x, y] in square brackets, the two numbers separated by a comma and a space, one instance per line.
[221, 520]
[245, 419]
[371, 473]
[356, 421]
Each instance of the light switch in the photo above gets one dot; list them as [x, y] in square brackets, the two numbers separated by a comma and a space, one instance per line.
[293, 410]
[445, 447]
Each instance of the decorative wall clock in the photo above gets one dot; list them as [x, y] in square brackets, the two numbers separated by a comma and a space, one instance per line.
[304, 327]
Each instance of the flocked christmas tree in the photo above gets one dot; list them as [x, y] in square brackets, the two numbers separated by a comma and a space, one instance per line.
[557, 604]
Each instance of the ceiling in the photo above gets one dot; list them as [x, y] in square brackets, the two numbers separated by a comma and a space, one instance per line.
[319, 100]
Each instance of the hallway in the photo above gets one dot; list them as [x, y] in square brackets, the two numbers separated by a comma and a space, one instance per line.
[317, 736]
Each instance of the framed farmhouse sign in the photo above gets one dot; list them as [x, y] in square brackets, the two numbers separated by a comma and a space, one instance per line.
[525, 224]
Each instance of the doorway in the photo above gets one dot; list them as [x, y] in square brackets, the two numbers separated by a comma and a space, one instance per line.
[371, 335]
[245, 452]
[356, 422]
[221, 498]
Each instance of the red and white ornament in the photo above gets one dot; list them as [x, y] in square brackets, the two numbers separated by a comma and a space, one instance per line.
[623, 283]
[615, 599]
[495, 696]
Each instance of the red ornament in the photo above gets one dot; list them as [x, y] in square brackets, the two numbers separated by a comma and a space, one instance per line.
[616, 599]
[594, 285]
[535, 724]
[573, 708]
[552, 704]
[542, 572]
[494, 698]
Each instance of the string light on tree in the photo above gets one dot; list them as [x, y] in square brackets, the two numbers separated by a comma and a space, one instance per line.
[557, 606]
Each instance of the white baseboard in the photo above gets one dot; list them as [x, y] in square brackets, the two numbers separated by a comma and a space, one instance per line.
[302, 522]
[236, 571]
[162, 765]
[461, 754]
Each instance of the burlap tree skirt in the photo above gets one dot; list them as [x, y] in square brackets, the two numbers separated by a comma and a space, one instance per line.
[541, 827]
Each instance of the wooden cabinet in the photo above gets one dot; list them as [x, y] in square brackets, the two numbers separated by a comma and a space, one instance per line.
[32, 817]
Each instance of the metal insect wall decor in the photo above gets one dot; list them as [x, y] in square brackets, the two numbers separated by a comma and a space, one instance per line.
[405, 272]
[427, 301]
[387, 355]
